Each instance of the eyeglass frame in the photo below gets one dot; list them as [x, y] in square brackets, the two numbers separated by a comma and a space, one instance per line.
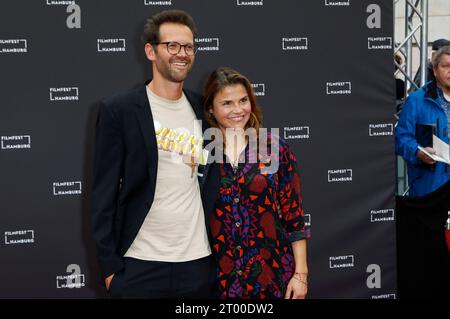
[195, 48]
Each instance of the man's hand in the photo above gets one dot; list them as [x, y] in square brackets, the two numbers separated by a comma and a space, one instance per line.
[108, 281]
[424, 157]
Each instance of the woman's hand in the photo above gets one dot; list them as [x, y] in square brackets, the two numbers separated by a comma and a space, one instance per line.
[297, 287]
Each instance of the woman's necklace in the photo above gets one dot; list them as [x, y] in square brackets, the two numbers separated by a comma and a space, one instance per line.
[234, 160]
[235, 164]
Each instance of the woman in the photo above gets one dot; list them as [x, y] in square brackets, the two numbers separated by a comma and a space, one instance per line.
[257, 224]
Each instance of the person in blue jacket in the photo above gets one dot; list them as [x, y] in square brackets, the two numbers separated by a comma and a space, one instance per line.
[427, 107]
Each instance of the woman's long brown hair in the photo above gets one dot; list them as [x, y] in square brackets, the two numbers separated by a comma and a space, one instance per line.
[221, 78]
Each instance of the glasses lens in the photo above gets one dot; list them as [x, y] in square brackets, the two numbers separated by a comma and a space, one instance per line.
[173, 47]
[190, 49]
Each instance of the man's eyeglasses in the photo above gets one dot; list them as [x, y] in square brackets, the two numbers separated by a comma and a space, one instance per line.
[174, 47]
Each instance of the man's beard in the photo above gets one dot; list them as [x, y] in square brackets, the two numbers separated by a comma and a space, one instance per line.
[170, 74]
[445, 85]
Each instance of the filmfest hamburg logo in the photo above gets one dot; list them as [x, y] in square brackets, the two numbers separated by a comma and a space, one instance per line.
[249, 3]
[259, 89]
[19, 237]
[342, 261]
[66, 188]
[293, 44]
[296, 132]
[157, 3]
[64, 94]
[382, 215]
[338, 88]
[381, 129]
[16, 142]
[13, 46]
[207, 44]
[334, 3]
[74, 279]
[307, 220]
[60, 2]
[340, 175]
[384, 296]
[379, 43]
[111, 45]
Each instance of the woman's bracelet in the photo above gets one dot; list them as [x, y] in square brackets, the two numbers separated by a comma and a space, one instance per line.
[301, 273]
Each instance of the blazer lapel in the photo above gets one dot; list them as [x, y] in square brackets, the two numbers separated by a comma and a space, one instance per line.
[145, 119]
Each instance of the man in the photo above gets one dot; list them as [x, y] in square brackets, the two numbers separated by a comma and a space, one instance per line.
[436, 45]
[148, 218]
[426, 112]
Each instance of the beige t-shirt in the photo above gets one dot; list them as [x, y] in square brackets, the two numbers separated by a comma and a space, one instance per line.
[174, 229]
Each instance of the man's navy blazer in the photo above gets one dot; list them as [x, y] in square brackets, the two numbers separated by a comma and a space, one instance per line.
[125, 168]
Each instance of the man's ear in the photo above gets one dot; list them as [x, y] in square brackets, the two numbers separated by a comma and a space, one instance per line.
[150, 52]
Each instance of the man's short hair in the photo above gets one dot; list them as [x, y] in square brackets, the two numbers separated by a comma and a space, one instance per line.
[439, 54]
[151, 29]
[439, 43]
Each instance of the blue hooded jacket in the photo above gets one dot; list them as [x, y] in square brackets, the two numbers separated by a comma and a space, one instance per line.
[421, 107]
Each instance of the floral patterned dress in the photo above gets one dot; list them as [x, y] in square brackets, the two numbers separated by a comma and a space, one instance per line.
[257, 216]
